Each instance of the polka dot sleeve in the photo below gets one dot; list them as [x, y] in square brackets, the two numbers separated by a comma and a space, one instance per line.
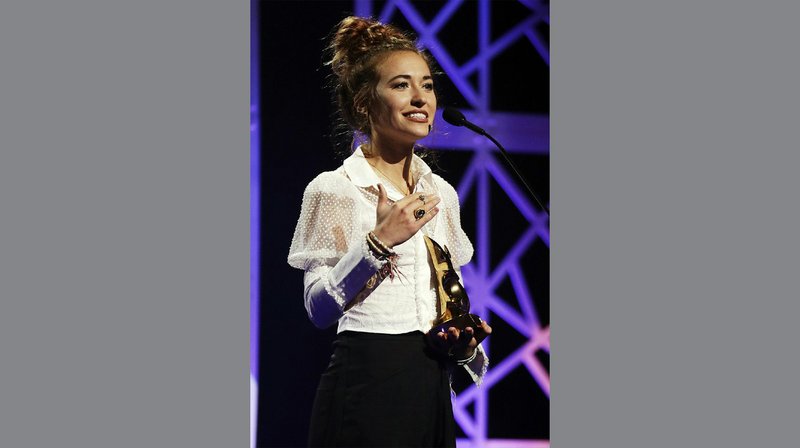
[327, 224]
[330, 246]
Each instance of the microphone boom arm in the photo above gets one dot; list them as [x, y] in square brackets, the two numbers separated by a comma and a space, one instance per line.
[514, 168]
[456, 118]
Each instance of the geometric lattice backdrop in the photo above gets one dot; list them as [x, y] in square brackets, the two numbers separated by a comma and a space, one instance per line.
[507, 279]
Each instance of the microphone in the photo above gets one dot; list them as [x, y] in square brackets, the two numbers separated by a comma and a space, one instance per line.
[456, 118]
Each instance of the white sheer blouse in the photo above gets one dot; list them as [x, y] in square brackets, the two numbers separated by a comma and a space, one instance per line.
[329, 243]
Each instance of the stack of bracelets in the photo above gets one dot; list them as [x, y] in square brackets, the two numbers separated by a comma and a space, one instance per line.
[383, 253]
[468, 360]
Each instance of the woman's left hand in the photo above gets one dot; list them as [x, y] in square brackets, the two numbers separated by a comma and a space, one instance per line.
[458, 344]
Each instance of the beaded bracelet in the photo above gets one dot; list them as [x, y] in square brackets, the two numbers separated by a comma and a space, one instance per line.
[381, 245]
[377, 251]
[381, 252]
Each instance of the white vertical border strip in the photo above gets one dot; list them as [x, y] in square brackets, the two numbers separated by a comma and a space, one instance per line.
[255, 182]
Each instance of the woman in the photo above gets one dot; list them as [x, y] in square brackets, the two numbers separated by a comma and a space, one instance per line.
[361, 241]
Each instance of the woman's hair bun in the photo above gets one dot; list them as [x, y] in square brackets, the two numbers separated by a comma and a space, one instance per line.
[356, 39]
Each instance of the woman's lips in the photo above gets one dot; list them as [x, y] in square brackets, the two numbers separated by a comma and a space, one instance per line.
[417, 117]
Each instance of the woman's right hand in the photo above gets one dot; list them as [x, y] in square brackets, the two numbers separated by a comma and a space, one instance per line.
[396, 223]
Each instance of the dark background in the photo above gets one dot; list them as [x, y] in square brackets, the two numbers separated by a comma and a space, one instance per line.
[295, 119]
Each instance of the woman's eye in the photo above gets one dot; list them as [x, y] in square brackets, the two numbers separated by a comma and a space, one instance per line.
[405, 85]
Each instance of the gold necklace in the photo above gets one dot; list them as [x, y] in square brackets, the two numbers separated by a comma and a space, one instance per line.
[406, 191]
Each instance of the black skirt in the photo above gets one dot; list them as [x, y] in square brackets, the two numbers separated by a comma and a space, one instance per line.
[382, 390]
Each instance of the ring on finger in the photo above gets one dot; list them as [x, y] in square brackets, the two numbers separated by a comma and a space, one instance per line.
[419, 213]
[422, 198]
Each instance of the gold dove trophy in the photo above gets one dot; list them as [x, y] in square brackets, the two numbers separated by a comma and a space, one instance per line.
[453, 304]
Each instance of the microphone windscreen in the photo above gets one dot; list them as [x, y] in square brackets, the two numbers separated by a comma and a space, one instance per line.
[453, 116]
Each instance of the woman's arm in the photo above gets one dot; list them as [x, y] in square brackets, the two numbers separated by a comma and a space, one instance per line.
[329, 246]
[328, 289]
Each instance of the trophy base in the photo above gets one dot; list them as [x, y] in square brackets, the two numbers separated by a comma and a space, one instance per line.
[462, 322]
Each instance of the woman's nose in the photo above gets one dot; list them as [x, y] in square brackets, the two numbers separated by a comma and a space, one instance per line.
[418, 100]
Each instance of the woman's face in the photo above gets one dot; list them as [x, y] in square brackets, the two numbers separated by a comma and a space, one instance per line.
[406, 100]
